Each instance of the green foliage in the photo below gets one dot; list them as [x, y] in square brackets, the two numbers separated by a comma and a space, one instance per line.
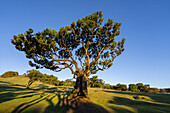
[140, 86]
[9, 74]
[168, 89]
[61, 83]
[95, 82]
[107, 86]
[145, 88]
[133, 87]
[87, 45]
[34, 74]
[153, 90]
[69, 82]
[162, 90]
[122, 87]
[49, 79]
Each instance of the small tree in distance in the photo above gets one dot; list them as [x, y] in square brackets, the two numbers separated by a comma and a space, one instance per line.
[84, 47]
[33, 75]
[95, 82]
[133, 87]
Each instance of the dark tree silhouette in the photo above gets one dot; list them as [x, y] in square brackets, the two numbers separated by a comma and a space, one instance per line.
[85, 47]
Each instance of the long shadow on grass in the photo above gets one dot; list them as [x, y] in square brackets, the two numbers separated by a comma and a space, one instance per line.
[159, 102]
[73, 105]
[8, 83]
[63, 105]
[163, 98]
[47, 95]
[10, 92]
[128, 105]
[23, 106]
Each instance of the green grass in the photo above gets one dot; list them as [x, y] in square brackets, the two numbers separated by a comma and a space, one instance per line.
[43, 98]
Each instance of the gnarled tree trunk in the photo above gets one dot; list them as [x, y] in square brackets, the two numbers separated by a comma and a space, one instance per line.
[29, 83]
[80, 89]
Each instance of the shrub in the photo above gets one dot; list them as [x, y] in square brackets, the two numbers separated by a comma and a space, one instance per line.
[145, 88]
[133, 87]
[122, 87]
[113, 87]
[140, 86]
[96, 82]
[168, 90]
[9, 74]
[107, 86]
[151, 90]
[138, 97]
[162, 90]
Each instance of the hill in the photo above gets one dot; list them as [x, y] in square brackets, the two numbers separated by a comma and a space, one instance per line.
[43, 98]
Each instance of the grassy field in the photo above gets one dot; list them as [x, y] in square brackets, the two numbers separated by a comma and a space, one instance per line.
[43, 98]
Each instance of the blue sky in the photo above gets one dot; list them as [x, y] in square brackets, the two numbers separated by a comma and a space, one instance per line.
[145, 25]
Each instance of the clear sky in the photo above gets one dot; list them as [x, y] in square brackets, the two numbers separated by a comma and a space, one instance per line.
[145, 25]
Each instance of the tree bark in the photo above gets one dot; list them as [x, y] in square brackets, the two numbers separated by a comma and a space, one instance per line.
[29, 83]
[80, 88]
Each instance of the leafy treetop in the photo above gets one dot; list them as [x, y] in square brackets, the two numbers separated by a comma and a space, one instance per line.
[86, 46]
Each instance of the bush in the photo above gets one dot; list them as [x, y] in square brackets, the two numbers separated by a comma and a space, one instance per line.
[113, 87]
[152, 90]
[107, 86]
[138, 97]
[122, 87]
[140, 86]
[96, 82]
[162, 90]
[133, 87]
[9, 74]
[145, 88]
[167, 90]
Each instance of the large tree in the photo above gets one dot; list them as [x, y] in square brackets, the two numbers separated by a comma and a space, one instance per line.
[85, 47]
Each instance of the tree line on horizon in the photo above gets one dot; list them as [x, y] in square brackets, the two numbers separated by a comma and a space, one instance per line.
[94, 82]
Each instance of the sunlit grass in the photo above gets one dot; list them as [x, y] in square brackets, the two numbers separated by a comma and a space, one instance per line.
[125, 102]
[44, 98]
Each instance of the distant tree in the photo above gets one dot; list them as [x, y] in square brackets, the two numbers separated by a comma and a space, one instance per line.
[140, 86]
[61, 83]
[95, 82]
[113, 87]
[73, 83]
[107, 86]
[85, 47]
[68, 82]
[122, 87]
[145, 88]
[133, 87]
[163, 90]
[167, 89]
[49, 79]
[9, 74]
[153, 90]
[33, 75]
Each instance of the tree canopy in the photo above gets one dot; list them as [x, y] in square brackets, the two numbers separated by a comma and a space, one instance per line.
[85, 45]
[33, 75]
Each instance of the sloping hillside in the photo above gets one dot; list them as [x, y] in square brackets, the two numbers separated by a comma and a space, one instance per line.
[43, 98]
